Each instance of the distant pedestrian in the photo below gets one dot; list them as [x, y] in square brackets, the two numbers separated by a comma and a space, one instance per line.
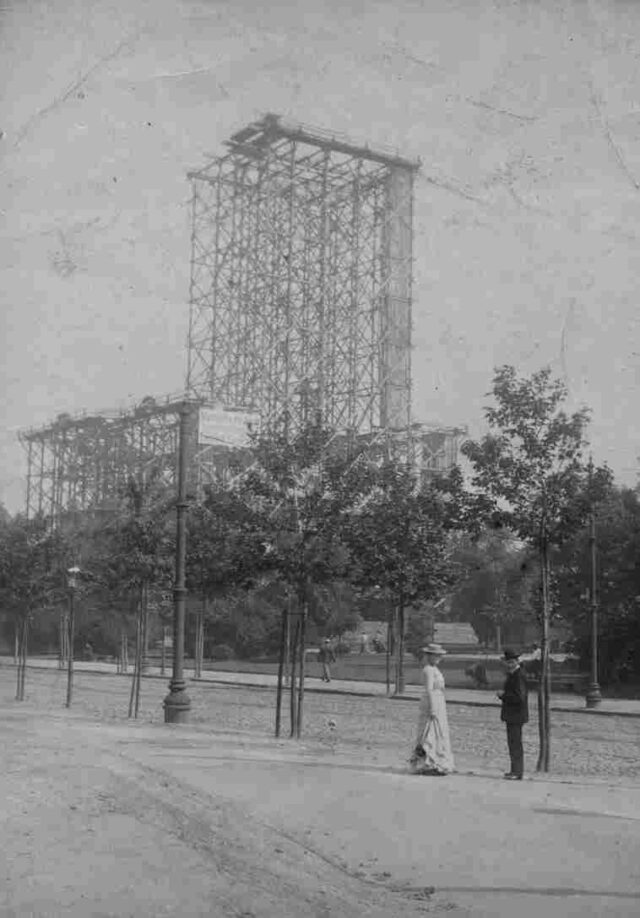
[378, 642]
[515, 712]
[363, 642]
[326, 656]
[432, 754]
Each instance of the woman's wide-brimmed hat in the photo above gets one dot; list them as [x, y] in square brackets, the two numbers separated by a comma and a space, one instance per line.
[511, 655]
[435, 649]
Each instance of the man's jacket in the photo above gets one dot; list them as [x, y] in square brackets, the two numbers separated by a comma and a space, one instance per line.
[515, 699]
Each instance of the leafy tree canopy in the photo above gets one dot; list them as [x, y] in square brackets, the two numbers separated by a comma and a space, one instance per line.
[529, 469]
[32, 564]
[399, 535]
[299, 492]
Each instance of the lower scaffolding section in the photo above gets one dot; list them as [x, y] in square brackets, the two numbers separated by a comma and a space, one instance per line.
[86, 462]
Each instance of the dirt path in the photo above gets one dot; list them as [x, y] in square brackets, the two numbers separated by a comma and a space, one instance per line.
[89, 832]
[109, 817]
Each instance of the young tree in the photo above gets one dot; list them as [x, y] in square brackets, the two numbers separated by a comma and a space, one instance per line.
[529, 472]
[225, 554]
[79, 536]
[31, 578]
[401, 539]
[300, 489]
[133, 562]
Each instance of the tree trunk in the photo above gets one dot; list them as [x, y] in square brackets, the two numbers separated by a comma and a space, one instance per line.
[142, 661]
[395, 650]
[62, 627]
[303, 629]
[498, 637]
[200, 645]
[137, 664]
[400, 686]
[134, 698]
[16, 642]
[287, 655]
[124, 652]
[70, 641]
[22, 632]
[388, 655]
[203, 624]
[199, 640]
[281, 659]
[132, 694]
[293, 646]
[144, 599]
[544, 688]
[23, 655]
[163, 651]
[196, 624]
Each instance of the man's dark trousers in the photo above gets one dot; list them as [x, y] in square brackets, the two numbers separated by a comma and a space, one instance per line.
[516, 752]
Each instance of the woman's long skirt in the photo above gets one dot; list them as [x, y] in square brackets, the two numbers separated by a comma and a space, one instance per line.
[432, 753]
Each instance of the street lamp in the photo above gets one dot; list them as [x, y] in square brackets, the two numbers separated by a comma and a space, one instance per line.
[177, 703]
[593, 696]
[73, 574]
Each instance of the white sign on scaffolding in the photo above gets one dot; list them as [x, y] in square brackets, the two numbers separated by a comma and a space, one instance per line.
[217, 427]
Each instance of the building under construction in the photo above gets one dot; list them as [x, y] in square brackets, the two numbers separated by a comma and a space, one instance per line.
[300, 310]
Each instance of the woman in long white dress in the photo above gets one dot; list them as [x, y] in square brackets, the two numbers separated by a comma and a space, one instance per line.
[432, 753]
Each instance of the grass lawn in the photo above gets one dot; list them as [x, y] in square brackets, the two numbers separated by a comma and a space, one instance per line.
[372, 668]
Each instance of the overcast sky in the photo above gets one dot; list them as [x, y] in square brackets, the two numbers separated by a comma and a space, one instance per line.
[526, 116]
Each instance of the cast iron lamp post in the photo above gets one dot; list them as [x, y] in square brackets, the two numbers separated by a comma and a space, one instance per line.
[72, 582]
[593, 696]
[177, 703]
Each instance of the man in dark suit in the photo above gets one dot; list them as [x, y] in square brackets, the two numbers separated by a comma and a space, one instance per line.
[515, 712]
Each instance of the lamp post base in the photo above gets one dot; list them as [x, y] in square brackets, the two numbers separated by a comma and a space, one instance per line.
[177, 704]
[593, 696]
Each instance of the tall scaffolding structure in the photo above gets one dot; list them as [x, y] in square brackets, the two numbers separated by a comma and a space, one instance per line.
[300, 310]
[301, 274]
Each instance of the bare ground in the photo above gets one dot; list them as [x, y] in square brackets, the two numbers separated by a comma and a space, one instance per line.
[87, 831]
[102, 816]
